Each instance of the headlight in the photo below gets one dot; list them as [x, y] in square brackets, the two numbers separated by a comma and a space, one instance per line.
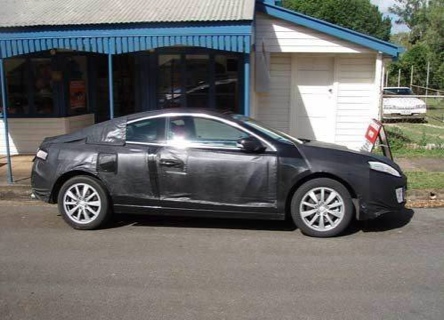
[41, 154]
[382, 167]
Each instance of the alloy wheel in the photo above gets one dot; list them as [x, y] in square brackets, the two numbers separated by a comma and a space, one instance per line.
[322, 209]
[82, 203]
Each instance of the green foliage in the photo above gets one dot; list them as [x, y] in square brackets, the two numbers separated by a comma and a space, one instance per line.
[418, 57]
[358, 15]
[412, 14]
[425, 42]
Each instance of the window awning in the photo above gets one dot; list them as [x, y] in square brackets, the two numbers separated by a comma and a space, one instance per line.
[235, 37]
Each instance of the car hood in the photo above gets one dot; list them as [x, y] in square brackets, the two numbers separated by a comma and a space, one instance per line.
[405, 102]
[334, 152]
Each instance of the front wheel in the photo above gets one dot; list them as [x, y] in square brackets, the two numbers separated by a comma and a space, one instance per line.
[322, 208]
[83, 203]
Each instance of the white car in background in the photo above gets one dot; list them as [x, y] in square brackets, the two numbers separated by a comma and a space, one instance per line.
[400, 103]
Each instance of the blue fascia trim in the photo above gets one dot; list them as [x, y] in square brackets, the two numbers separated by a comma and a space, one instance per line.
[329, 28]
[126, 38]
[121, 30]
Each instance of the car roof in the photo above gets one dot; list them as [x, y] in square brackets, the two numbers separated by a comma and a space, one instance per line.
[165, 112]
[396, 88]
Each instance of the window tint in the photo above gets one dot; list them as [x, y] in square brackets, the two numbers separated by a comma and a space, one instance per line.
[398, 91]
[148, 130]
[195, 131]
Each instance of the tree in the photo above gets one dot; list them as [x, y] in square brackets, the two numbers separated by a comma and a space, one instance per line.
[425, 42]
[358, 15]
[412, 13]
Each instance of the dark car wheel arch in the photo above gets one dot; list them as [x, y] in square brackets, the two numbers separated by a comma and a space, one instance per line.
[318, 218]
[69, 175]
[313, 176]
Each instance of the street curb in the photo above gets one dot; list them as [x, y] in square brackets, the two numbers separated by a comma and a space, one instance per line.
[15, 192]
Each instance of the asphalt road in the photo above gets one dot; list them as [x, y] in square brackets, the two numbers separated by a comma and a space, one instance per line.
[158, 268]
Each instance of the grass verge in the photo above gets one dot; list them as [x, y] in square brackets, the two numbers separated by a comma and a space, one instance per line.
[425, 180]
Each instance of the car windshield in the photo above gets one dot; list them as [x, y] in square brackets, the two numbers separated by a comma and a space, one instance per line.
[270, 132]
[398, 91]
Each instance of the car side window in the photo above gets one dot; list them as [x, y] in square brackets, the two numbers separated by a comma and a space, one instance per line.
[147, 130]
[204, 132]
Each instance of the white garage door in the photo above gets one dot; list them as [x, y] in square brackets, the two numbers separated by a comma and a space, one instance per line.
[313, 112]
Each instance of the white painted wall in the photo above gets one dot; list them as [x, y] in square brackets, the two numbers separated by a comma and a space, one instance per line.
[282, 36]
[357, 98]
[273, 107]
[313, 100]
[356, 84]
[354, 99]
[26, 134]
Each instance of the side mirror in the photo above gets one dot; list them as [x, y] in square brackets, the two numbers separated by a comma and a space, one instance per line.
[251, 145]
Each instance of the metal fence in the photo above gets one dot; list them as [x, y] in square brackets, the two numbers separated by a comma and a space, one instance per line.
[416, 131]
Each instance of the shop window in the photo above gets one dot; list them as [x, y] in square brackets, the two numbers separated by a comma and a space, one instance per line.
[17, 86]
[43, 86]
[124, 93]
[226, 84]
[170, 82]
[198, 81]
[123, 75]
[76, 70]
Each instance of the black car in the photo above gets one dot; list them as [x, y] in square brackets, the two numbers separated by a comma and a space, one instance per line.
[203, 163]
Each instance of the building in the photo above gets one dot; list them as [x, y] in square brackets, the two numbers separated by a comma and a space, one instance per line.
[67, 64]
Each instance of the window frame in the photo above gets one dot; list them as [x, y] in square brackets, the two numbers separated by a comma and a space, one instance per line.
[161, 141]
[270, 146]
[194, 142]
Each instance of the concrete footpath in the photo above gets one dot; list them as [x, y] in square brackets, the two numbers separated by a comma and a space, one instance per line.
[22, 165]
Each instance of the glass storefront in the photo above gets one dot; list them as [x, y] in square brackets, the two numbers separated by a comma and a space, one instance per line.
[77, 76]
[16, 74]
[48, 86]
[198, 81]
[60, 84]
[43, 86]
[124, 90]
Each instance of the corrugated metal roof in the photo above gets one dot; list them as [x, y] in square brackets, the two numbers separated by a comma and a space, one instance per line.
[20, 13]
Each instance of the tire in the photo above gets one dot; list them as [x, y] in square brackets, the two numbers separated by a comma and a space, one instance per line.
[322, 208]
[84, 203]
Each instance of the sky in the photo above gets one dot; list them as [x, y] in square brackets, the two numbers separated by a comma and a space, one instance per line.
[383, 7]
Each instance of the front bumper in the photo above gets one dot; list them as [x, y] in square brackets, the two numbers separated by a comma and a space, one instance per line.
[397, 116]
[385, 194]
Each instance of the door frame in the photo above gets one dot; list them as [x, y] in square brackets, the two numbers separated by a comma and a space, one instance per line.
[293, 94]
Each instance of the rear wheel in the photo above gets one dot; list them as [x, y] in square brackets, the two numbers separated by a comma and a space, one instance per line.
[322, 208]
[83, 203]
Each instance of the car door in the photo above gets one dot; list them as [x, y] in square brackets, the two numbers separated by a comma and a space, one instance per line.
[134, 184]
[203, 168]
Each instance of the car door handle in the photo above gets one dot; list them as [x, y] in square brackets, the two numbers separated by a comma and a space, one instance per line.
[170, 163]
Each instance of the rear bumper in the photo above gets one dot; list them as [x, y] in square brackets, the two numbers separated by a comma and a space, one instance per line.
[41, 185]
